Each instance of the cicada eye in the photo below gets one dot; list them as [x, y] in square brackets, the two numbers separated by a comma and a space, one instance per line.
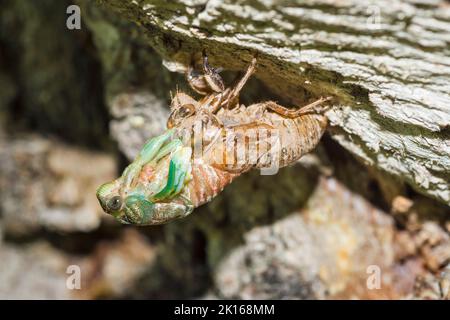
[114, 204]
[185, 111]
[179, 114]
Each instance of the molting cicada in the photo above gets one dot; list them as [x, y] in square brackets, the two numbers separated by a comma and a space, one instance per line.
[207, 144]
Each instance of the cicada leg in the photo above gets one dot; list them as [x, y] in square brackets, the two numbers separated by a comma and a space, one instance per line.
[295, 113]
[234, 93]
[207, 82]
[252, 125]
[212, 76]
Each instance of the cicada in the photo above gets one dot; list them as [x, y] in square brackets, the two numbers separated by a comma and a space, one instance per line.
[208, 143]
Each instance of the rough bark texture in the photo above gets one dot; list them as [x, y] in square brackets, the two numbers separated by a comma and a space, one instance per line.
[311, 231]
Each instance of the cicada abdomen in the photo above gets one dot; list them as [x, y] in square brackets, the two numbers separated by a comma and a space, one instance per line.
[234, 141]
[207, 181]
[293, 137]
[257, 137]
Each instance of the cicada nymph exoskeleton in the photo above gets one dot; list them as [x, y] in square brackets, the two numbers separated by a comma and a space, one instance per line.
[237, 137]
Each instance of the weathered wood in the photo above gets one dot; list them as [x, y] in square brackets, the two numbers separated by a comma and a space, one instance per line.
[386, 62]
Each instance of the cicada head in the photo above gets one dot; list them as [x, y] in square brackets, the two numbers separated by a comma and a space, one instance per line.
[135, 208]
[149, 190]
